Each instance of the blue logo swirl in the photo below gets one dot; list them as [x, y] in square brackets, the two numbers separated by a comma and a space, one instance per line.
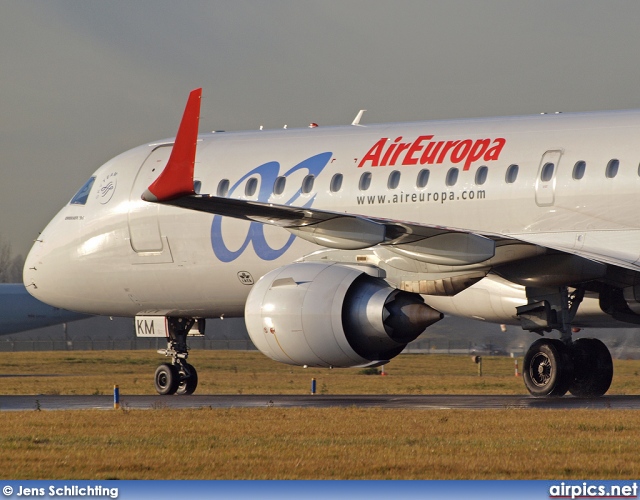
[268, 174]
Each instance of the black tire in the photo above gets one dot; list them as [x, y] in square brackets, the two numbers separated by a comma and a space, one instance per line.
[167, 379]
[593, 368]
[188, 383]
[548, 368]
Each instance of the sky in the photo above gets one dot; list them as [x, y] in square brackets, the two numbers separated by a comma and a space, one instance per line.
[82, 81]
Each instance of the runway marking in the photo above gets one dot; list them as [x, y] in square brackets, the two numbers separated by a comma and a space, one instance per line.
[419, 402]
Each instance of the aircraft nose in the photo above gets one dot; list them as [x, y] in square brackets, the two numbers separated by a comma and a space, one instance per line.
[44, 269]
[32, 264]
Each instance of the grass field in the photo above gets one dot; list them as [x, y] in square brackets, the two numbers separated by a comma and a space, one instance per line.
[240, 372]
[339, 443]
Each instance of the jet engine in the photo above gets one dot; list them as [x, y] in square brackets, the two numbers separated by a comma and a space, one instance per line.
[332, 315]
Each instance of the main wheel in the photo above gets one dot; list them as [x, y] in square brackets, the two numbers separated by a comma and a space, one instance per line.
[188, 381]
[593, 368]
[167, 379]
[548, 368]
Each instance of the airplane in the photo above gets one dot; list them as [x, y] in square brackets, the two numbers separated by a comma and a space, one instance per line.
[340, 245]
[20, 311]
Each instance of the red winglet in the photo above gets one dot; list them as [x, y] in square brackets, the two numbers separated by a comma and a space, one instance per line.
[176, 179]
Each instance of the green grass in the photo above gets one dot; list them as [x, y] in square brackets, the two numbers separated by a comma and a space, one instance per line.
[342, 443]
[237, 372]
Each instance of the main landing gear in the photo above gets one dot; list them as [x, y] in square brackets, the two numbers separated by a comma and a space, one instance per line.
[553, 367]
[583, 368]
[177, 377]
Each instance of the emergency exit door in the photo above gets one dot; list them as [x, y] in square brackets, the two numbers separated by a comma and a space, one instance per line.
[546, 180]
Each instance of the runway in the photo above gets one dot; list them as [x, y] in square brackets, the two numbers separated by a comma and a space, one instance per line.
[419, 402]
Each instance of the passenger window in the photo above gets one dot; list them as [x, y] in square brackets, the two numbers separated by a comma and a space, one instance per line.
[452, 176]
[481, 175]
[80, 198]
[251, 187]
[223, 188]
[365, 181]
[423, 178]
[279, 185]
[197, 186]
[512, 174]
[336, 183]
[579, 169]
[547, 172]
[612, 169]
[307, 184]
[394, 179]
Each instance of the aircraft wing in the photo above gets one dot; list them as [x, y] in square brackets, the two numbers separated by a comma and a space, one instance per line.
[445, 245]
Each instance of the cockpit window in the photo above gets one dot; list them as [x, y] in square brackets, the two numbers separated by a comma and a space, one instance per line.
[81, 196]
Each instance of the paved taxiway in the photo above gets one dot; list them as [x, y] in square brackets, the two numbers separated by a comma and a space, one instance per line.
[425, 402]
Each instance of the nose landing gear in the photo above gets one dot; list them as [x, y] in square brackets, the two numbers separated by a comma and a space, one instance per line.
[177, 377]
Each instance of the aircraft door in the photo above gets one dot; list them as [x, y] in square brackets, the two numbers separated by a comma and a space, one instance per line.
[546, 180]
[144, 227]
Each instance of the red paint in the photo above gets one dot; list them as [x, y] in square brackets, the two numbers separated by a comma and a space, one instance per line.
[176, 179]
[425, 151]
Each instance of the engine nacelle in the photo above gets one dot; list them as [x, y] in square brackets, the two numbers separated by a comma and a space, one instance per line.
[320, 314]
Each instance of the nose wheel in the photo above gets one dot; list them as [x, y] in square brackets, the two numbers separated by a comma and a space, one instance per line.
[166, 379]
[181, 379]
[188, 380]
[177, 377]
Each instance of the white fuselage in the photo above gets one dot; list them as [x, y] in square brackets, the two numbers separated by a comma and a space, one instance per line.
[118, 255]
